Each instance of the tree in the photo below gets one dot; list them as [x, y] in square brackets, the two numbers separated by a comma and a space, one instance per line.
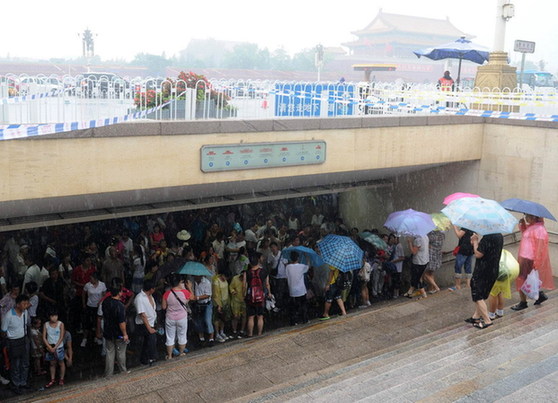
[155, 64]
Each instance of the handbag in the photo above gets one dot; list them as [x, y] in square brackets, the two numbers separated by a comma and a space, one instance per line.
[532, 285]
[455, 250]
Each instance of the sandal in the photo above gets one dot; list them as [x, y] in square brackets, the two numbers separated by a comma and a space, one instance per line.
[422, 297]
[408, 295]
[167, 357]
[473, 320]
[482, 325]
[50, 384]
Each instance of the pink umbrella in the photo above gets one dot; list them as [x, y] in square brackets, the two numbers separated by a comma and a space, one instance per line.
[456, 196]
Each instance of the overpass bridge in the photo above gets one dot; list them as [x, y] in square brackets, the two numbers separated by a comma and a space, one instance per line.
[376, 164]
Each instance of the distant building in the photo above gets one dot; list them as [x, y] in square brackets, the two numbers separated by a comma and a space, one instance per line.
[397, 36]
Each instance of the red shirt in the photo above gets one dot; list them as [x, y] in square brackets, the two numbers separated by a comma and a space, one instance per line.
[82, 276]
[124, 297]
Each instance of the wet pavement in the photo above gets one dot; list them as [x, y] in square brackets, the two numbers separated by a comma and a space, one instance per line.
[403, 350]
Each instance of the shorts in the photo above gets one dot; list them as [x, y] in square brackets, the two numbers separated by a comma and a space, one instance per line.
[255, 310]
[58, 355]
[333, 292]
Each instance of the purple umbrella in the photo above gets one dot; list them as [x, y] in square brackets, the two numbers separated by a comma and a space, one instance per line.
[410, 222]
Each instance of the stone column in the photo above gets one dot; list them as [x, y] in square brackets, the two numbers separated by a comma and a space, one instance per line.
[497, 74]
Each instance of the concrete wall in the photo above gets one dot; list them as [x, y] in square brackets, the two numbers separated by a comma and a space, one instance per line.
[521, 161]
[158, 155]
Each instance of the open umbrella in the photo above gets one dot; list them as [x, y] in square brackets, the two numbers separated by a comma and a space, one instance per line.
[341, 252]
[483, 216]
[441, 221]
[455, 196]
[315, 259]
[374, 240]
[194, 269]
[410, 222]
[462, 49]
[527, 207]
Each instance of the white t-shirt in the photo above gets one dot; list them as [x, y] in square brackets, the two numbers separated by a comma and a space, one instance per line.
[295, 279]
[422, 256]
[143, 305]
[203, 288]
[399, 253]
[34, 303]
[94, 294]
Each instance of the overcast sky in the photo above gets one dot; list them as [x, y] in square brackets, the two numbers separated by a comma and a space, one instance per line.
[45, 29]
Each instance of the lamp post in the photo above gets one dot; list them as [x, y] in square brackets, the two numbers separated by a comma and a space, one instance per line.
[319, 59]
[498, 73]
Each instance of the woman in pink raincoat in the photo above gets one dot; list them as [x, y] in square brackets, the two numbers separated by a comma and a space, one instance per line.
[533, 254]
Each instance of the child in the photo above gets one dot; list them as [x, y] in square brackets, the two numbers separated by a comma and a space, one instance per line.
[37, 346]
[31, 288]
[53, 337]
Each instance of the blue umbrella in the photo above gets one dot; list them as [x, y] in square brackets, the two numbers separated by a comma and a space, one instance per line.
[341, 252]
[527, 207]
[410, 222]
[483, 216]
[194, 269]
[315, 259]
[462, 49]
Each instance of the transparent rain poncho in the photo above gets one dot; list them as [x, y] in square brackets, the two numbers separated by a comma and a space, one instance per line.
[508, 272]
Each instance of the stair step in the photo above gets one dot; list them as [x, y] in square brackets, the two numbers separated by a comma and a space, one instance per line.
[383, 370]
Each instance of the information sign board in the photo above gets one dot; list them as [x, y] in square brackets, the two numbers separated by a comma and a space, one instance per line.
[215, 158]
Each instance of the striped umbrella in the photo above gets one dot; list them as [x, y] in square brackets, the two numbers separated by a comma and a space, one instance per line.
[341, 252]
[483, 216]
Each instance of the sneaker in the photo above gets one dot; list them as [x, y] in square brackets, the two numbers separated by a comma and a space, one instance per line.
[83, 343]
[520, 306]
[239, 336]
[202, 339]
[219, 339]
[324, 317]
[99, 341]
[542, 298]
[4, 381]
[363, 306]
[175, 352]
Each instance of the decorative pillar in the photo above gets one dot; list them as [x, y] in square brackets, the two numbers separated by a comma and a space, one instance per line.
[498, 73]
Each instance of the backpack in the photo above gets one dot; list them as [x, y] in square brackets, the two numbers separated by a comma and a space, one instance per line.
[255, 294]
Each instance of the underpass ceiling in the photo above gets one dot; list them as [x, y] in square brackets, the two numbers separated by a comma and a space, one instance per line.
[26, 214]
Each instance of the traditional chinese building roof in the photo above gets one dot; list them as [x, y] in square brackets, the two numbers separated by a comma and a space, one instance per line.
[405, 30]
[386, 22]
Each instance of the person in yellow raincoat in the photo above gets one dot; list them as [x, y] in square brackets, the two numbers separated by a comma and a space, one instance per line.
[238, 305]
[221, 305]
[508, 272]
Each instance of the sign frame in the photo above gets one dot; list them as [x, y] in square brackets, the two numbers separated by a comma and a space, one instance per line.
[245, 156]
[524, 46]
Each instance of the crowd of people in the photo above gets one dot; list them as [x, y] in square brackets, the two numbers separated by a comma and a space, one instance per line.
[116, 286]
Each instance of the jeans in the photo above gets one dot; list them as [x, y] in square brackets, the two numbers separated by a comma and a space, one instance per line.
[149, 345]
[115, 347]
[18, 351]
[204, 319]
[463, 261]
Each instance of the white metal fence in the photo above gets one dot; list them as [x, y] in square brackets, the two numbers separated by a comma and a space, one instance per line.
[27, 100]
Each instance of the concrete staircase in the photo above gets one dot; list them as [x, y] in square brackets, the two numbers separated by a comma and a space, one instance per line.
[516, 359]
